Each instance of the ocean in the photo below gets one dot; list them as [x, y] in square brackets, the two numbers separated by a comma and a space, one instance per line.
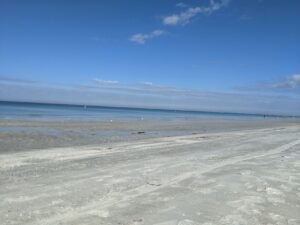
[45, 112]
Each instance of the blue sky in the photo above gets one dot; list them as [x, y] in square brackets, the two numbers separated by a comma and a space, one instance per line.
[153, 53]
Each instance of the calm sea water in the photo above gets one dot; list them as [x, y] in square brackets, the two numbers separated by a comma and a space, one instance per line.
[41, 111]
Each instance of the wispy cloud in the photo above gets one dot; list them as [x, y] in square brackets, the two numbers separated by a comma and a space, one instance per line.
[184, 17]
[291, 83]
[147, 83]
[111, 93]
[153, 97]
[141, 38]
[181, 5]
[15, 80]
[105, 82]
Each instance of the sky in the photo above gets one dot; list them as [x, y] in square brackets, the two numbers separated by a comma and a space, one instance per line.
[212, 55]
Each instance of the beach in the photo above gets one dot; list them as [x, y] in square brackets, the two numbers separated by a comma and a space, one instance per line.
[149, 112]
[164, 173]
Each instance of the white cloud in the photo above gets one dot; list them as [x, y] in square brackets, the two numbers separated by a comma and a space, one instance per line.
[184, 17]
[103, 82]
[288, 85]
[291, 82]
[142, 38]
[181, 5]
[147, 83]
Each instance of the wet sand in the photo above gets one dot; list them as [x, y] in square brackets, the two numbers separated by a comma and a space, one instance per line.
[249, 176]
[16, 136]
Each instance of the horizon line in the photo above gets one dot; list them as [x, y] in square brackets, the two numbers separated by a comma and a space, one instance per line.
[155, 109]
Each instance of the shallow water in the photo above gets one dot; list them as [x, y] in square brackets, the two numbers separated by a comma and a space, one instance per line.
[45, 112]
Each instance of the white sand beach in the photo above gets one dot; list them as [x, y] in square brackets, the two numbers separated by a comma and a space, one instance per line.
[153, 112]
[248, 177]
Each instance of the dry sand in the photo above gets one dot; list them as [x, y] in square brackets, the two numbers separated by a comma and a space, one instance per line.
[235, 178]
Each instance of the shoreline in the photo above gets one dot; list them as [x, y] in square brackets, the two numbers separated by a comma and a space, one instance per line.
[18, 136]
